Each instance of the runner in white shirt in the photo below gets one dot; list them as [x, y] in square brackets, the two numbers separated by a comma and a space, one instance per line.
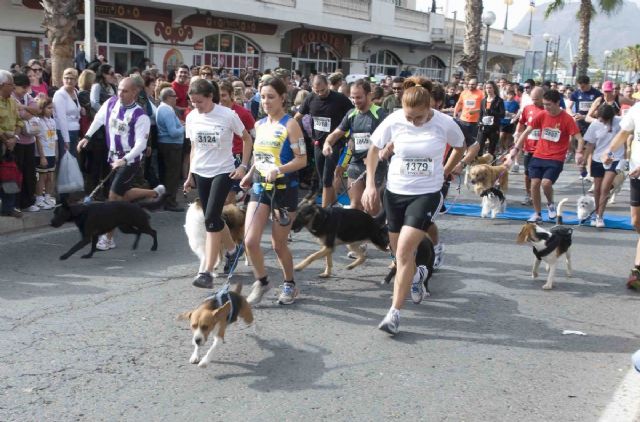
[210, 127]
[630, 125]
[598, 138]
[416, 174]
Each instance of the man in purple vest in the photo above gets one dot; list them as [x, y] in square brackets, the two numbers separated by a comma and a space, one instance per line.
[127, 129]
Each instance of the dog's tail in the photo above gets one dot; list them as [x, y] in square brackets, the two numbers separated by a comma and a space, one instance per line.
[559, 211]
[154, 205]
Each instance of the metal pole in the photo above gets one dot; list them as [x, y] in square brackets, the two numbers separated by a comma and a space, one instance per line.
[506, 17]
[530, 21]
[606, 59]
[453, 46]
[484, 57]
[544, 67]
[555, 59]
[89, 29]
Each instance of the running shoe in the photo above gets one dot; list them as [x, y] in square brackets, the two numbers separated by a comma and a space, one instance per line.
[551, 208]
[527, 201]
[515, 168]
[232, 259]
[203, 280]
[600, 223]
[31, 208]
[50, 200]
[417, 286]
[258, 291]
[288, 295]
[40, 202]
[391, 322]
[633, 282]
[160, 190]
[439, 258]
[535, 218]
[104, 243]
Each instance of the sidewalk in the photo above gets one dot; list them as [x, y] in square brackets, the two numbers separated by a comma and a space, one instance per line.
[29, 220]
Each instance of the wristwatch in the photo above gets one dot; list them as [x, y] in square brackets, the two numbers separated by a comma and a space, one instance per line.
[244, 166]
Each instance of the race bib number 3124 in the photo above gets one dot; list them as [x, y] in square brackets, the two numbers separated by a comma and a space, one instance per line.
[208, 139]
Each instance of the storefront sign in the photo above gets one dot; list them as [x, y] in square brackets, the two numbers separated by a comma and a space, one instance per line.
[302, 37]
[173, 34]
[114, 10]
[208, 21]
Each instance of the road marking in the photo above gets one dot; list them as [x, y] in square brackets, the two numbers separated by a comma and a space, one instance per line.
[625, 404]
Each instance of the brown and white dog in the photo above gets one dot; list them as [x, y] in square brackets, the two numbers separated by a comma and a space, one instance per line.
[483, 159]
[548, 246]
[484, 176]
[212, 317]
[196, 232]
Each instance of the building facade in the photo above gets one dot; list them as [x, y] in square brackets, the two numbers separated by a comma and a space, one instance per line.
[357, 36]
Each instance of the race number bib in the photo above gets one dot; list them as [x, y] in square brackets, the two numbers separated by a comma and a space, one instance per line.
[470, 103]
[322, 124]
[585, 105]
[534, 135]
[264, 162]
[417, 167]
[551, 135]
[362, 141]
[120, 127]
[208, 138]
[487, 120]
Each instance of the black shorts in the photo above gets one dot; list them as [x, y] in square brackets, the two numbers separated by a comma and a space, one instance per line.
[235, 184]
[213, 193]
[326, 166]
[635, 192]
[285, 198]
[598, 170]
[509, 128]
[356, 169]
[49, 168]
[470, 132]
[411, 210]
[540, 168]
[123, 178]
[526, 158]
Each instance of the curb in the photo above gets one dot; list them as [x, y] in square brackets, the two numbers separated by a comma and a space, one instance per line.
[29, 220]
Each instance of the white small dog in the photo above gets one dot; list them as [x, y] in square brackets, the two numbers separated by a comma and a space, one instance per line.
[493, 202]
[585, 208]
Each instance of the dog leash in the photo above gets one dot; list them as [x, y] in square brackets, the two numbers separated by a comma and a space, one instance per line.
[347, 188]
[87, 199]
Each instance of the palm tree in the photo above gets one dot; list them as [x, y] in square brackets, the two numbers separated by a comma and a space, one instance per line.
[586, 13]
[60, 19]
[633, 57]
[472, 38]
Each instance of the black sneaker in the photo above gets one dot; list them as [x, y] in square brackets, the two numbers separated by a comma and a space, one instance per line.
[203, 280]
[232, 260]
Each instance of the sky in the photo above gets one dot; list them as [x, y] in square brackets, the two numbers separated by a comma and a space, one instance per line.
[518, 10]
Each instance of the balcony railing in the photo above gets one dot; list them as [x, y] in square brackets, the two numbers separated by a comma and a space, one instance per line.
[289, 3]
[355, 9]
[411, 19]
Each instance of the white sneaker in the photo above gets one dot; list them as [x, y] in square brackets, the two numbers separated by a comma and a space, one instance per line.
[104, 243]
[258, 291]
[160, 190]
[515, 169]
[50, 200]
[600, 223]
[288, 295]
[391, 322]
[40, 202]
[551, 209]
[439, 258]
[417, 285]
[32, 208]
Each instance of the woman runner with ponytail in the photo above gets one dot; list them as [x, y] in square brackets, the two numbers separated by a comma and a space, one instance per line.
[416, 173]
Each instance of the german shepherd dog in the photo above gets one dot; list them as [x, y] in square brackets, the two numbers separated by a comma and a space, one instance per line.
[99, 218]
[335, 226]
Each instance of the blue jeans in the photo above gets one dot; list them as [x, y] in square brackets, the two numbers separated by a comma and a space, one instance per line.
[8, 202]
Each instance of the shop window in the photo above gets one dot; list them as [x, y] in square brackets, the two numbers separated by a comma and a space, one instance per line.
[101, 30]
[383, 62]
[135, 39]
[230, 51]
[117, 34]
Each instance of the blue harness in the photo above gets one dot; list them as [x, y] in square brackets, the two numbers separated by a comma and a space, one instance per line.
[223, 296]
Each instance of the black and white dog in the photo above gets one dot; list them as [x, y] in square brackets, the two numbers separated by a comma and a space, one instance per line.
[548, 246]
[493, 202]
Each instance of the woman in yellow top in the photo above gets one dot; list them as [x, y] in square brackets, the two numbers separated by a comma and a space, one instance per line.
[278, 153]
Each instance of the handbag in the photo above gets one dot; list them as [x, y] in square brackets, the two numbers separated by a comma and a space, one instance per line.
[10, 177]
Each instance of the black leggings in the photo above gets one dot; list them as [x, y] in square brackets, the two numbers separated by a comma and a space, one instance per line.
[213, 192]
[326, 166]
[492, 136]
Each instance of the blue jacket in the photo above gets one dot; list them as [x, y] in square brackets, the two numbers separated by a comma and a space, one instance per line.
[170, 131]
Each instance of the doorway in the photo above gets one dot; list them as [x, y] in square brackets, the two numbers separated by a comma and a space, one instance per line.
[124, 59]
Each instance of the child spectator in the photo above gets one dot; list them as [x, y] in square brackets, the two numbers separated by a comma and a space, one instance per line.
[45, 158]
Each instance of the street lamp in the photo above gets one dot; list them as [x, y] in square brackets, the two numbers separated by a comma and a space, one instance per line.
[506, 16]
[488, 18]
[532, 8]
[547, 38]
[607, 54]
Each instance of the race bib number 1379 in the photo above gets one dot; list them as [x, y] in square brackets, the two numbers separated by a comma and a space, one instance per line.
[416, 167]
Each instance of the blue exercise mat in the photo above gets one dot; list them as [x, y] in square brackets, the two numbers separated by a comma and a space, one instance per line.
[511, 213]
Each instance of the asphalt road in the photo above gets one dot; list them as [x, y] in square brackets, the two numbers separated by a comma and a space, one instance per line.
[97, 339]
